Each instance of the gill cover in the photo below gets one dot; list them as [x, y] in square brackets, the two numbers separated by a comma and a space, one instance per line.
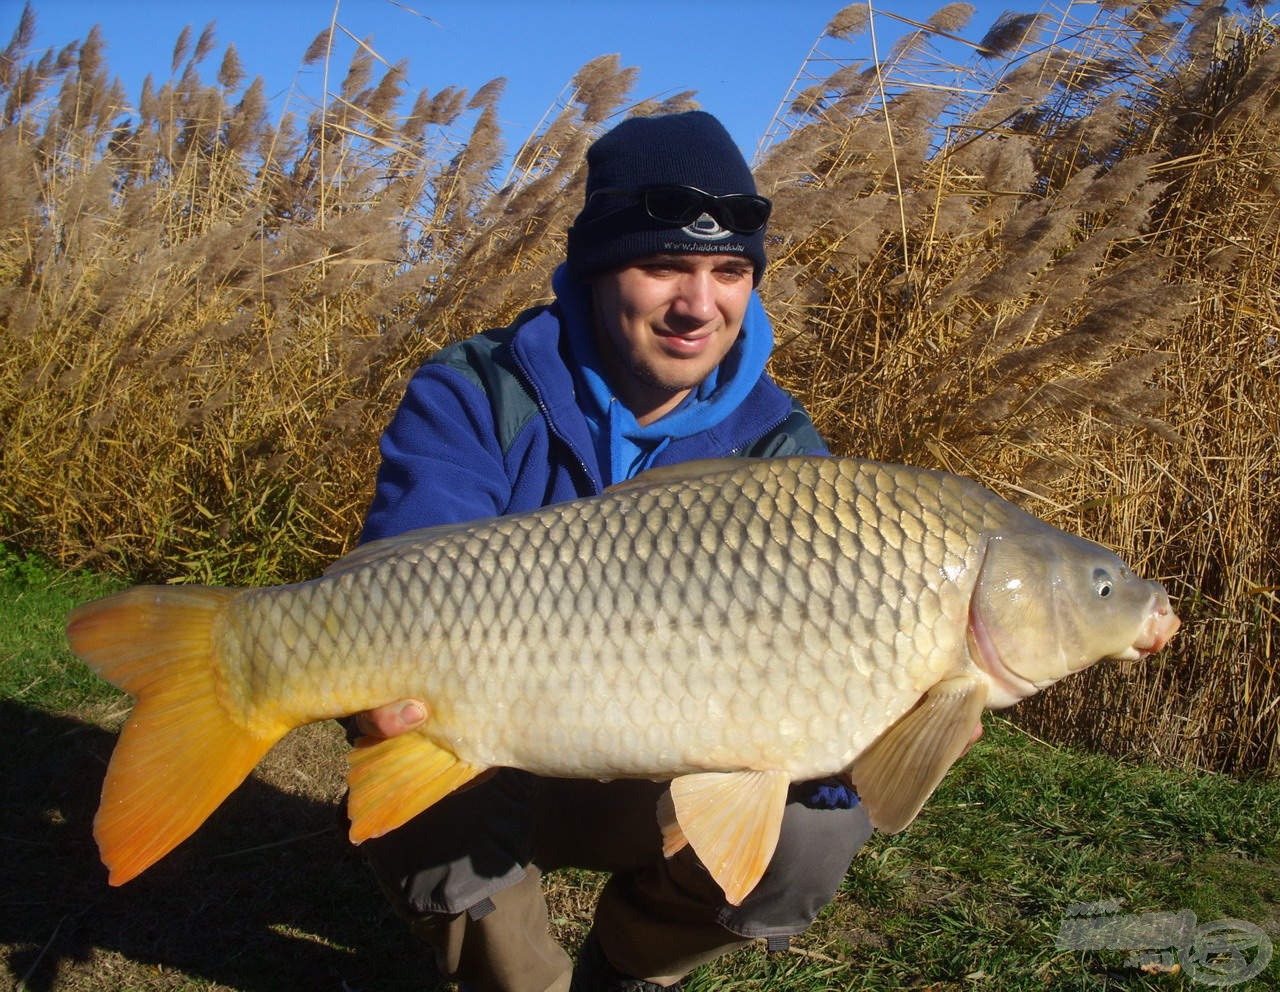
[1048, 604]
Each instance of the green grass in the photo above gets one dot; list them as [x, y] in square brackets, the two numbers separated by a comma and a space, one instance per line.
[974, 893]
[268, 895]
[35, 666]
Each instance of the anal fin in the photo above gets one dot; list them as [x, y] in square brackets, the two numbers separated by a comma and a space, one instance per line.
[731, 820]
[395, 779]
[898, 773]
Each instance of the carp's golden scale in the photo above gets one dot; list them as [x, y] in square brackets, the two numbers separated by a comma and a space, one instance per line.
[731, 625]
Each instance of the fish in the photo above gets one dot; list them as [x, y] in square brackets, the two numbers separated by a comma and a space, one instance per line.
[731, 626]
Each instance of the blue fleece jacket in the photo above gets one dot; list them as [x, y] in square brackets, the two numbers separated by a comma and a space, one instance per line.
[497, 424]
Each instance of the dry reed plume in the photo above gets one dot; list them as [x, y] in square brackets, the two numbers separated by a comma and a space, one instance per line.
[1044, 259]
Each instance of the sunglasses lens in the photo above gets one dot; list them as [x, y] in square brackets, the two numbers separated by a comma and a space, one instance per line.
[677, 205]
[742, 213]
[682, 205]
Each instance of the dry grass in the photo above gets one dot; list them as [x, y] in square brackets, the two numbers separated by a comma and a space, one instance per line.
[1045, 260]
[1057, 275]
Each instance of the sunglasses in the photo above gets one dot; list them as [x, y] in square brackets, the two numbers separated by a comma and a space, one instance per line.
[680, 206]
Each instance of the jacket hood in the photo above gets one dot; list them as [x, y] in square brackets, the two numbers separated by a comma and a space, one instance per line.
[623, 445]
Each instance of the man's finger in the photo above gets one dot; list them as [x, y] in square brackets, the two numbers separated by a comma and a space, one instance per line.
[977, 732]
[391, 719]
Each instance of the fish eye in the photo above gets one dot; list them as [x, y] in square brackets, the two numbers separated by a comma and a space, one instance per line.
[1103, 584]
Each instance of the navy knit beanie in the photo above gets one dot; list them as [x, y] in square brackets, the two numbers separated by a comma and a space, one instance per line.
[690, 149]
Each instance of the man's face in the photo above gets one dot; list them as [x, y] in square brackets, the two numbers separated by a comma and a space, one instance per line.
[665, 321]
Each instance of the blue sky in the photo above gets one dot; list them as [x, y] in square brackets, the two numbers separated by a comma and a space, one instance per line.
[740, 55]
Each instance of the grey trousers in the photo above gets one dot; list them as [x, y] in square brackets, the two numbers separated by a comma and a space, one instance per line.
[465, 874]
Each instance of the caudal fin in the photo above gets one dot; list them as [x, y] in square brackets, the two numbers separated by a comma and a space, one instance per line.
[181, 752]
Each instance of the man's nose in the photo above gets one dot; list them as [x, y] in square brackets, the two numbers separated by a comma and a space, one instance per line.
[695, 297]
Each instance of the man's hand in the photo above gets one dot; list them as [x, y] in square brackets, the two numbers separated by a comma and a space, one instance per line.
[977, 732]
[399, 717]
[391, 719]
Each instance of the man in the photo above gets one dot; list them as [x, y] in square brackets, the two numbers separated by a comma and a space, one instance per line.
[652, 354]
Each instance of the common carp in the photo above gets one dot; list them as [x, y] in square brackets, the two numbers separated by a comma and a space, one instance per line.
[731, 625]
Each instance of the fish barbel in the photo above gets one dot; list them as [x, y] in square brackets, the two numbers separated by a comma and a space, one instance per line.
[731, 625]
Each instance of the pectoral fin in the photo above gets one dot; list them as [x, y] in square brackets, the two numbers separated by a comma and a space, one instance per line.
[731, 820]
[395, 779]
[901, 769]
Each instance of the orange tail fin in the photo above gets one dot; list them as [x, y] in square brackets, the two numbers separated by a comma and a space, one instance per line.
[181, 752]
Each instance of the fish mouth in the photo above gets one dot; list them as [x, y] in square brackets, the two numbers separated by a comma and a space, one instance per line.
[1157, 630]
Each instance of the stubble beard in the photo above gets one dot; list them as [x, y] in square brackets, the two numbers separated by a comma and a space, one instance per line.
[671, 382]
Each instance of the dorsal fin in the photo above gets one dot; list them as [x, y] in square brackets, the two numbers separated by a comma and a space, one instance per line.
[664, 475]
[389, 547]
[695, 471]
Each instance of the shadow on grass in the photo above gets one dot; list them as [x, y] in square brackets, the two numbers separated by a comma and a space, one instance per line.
[300, 914]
